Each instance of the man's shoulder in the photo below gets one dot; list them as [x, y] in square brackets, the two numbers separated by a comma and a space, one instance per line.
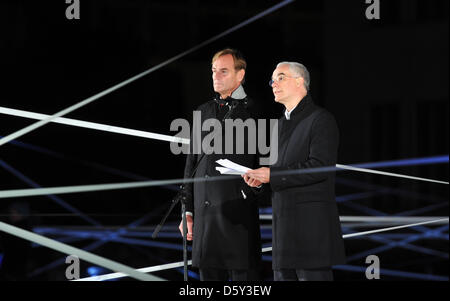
[322, 116]
[254, 108]
[321, 112]
[206, 105]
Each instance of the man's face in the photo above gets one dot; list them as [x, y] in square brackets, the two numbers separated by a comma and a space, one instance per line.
[225, 77]
[285, 86]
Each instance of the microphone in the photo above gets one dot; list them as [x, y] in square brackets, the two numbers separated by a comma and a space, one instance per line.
[221, 102]
[231, 102]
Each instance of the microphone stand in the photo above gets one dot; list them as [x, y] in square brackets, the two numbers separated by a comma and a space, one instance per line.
[181, 197]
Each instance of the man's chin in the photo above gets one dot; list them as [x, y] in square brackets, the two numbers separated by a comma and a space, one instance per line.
[279, 99]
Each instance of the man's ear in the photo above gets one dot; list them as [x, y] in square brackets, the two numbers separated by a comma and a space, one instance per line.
[240, 75]
[299, 81]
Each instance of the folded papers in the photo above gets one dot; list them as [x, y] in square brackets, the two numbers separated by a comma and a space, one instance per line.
[230, 168]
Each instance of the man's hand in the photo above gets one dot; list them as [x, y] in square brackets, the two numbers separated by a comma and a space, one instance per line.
[256, 177]
[190, 223]
[251, 182]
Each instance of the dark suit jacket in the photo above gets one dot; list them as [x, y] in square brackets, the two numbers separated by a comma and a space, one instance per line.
[306, 227]
[226, 226]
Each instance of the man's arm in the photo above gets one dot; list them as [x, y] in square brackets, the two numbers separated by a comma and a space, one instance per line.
[323, 153]
[191, 161]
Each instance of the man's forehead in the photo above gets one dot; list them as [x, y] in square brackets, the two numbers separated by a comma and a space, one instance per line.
[224, 62]
[221, 67]
[281, 70]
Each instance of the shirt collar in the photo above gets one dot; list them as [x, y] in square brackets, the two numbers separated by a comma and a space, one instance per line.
[288, 113]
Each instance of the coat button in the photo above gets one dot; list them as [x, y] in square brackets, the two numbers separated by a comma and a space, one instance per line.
[207, 203]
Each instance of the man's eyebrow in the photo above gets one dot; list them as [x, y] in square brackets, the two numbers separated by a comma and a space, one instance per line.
[220, 68]
[281, 73]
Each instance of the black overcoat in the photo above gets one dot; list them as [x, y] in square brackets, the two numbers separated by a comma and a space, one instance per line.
[306, 227]
[226, 232]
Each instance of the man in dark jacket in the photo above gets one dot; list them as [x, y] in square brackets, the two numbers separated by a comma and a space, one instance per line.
[222, 218]
[307, 238]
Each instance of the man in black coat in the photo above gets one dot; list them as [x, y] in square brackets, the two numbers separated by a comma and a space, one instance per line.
[223, 218]
[307, 237]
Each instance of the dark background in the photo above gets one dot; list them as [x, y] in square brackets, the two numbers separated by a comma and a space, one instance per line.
[386, 82]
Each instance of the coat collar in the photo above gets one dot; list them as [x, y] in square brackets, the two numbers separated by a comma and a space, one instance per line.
[300, 106]
[238, 94]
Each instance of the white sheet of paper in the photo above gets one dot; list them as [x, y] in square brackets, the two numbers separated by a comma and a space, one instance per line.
[227, 171]
[231, 168]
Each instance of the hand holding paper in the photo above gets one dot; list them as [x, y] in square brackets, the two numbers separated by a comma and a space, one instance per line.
[254, 178]
[259, 175]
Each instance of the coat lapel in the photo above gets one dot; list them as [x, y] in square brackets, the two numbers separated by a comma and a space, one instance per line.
[287, 127]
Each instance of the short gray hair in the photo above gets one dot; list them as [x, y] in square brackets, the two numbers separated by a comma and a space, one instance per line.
[298, 70]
